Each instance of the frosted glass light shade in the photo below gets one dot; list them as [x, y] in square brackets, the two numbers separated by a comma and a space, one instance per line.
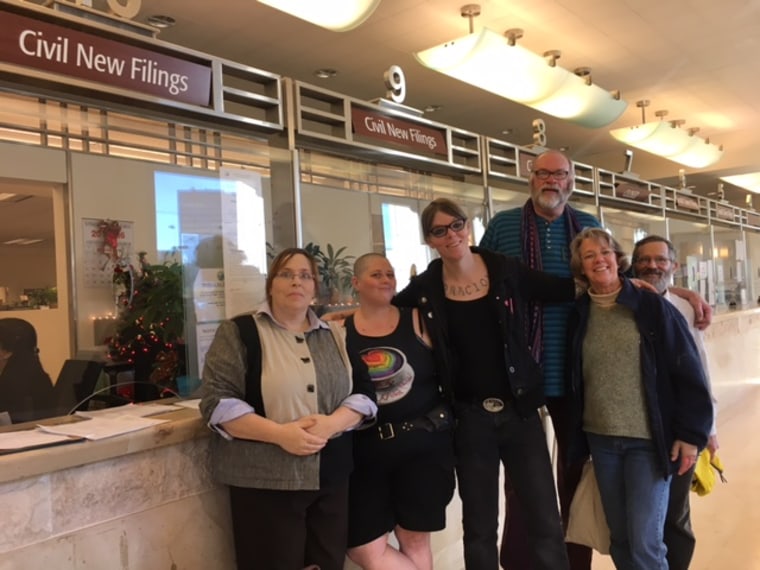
[671, 142]
[699, 154]
[486, 60]
[587, 105]
[335, 15]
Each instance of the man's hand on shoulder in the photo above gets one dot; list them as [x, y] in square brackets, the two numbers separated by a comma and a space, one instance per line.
[702, 310]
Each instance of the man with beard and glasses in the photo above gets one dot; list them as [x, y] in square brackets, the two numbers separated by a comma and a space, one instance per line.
[539, 233]
[654, 261]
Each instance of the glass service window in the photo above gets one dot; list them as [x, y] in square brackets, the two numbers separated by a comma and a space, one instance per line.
[350, 208]
[629, 227]
[730, 277]
[693, 245]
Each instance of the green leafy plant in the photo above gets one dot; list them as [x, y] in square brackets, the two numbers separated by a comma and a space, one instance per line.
[43, 297]
[335, 271]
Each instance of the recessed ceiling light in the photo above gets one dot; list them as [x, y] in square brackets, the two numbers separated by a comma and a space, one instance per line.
[433, 108]
[161, 21]
[22, 241]
[507, 131]
[325, 73]
[564, 148]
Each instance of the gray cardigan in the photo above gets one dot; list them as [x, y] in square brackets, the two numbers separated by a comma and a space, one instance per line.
[288, 364]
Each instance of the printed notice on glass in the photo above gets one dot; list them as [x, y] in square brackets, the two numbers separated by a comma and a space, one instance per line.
[204, 334]
[208, 295]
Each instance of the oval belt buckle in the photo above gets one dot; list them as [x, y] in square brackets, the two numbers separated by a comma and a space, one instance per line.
[493, 405]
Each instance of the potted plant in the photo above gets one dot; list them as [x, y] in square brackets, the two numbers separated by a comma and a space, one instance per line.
[335, 272]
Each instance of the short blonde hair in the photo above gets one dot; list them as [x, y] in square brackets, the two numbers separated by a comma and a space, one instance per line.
[602, 236]
[361, 263]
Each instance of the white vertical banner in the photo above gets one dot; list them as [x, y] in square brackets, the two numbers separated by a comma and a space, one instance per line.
[244, 240]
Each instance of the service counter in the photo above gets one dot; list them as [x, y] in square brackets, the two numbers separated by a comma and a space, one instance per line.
[139, 501]
[733, 351]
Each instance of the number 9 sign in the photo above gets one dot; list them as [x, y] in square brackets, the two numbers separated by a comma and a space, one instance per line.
[395, 83]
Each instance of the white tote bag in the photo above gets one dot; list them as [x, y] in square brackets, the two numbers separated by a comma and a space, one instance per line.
[587, 524]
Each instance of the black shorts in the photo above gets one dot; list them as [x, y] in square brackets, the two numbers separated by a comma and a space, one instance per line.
[406, 481]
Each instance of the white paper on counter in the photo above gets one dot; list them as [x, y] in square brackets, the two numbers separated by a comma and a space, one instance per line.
[192, 404]
[27, 439]
[101, 428]
[134, 410]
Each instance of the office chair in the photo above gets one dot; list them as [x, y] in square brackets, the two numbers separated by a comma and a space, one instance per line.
[76, 381]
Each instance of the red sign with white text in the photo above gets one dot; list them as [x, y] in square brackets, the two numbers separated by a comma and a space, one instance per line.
[416, 137]
[687, 203]
[53, 48]
[632, 191]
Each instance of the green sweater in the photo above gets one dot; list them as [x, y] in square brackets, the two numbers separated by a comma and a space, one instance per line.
[613, 389]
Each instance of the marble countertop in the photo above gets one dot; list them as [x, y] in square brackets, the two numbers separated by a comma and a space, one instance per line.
[184, 424]
[720, 315]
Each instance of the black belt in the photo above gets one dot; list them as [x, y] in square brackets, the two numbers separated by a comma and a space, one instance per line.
[389, 430]
[492, 405]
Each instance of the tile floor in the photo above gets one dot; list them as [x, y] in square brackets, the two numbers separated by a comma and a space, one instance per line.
[727, 521]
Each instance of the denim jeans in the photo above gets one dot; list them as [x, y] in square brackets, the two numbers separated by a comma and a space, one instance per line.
[483, 440]
[635, 500]
[679, 536]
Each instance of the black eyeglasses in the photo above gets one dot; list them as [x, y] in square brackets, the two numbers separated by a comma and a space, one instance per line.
[556, 174]
[660, 261]
[289, 275]
[455, 226]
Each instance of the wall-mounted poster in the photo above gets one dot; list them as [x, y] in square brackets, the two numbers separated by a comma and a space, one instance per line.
[106, 244]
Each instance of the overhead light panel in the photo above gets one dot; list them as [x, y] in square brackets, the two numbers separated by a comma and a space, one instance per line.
[668, 140]
[23, 241]
[496, 63]
[749, 181]
[335, 15]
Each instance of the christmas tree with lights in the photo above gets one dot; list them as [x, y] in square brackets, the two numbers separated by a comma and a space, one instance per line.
[150, 328]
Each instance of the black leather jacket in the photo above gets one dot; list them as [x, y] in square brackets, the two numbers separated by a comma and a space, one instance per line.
[512, 284]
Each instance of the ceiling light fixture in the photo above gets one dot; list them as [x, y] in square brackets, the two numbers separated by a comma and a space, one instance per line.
[161, 21]
[496, 63]
[749, 181]
[23, 241]
[335, 15]
[325, 73]
[668, 140]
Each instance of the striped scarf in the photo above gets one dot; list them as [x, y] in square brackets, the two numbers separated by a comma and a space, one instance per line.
[531, 255]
